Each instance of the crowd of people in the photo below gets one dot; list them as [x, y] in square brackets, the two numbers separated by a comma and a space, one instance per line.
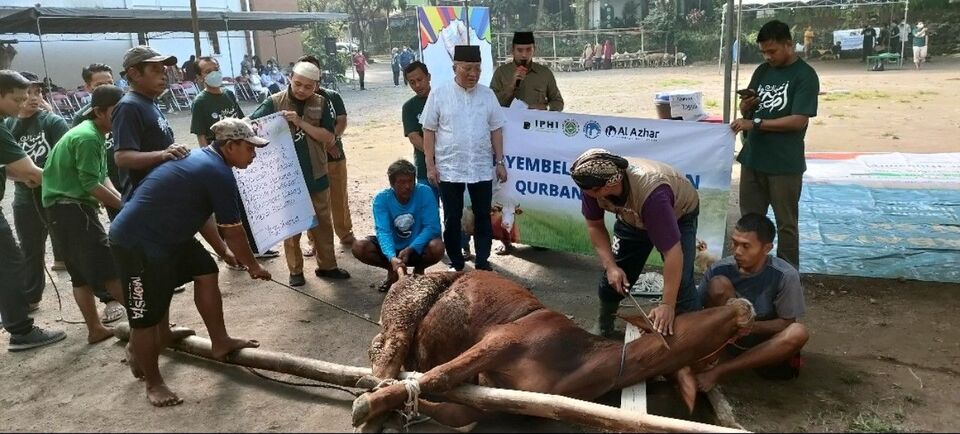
[897, 37]
[121, 155]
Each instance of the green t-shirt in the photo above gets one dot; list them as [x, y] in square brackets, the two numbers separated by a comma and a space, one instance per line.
[300, 144]
[210, 108]
[77, 164]
[37, 136]
[10, 151]
[411, 124]
[920, 41]
[112, 170]
[336, 107]
[790, 90]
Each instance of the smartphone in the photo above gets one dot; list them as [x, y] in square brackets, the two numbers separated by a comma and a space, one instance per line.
[747, 93]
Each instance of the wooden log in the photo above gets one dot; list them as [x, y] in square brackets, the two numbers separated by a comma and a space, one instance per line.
[722, 408]
[555, 407]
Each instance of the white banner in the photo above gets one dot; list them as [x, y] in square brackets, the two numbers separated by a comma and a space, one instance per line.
[272, 188]
[539, 147]
[851, 39]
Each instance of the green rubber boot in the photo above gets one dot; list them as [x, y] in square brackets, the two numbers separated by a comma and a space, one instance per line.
[606, 317]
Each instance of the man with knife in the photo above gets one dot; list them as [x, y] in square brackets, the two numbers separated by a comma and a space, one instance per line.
[522, 79]
[656, 207]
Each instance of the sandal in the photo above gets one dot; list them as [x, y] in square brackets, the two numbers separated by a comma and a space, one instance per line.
[505, 249]
[114, 311]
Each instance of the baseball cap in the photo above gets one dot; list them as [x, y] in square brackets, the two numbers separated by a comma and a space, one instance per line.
[237, 129]
[31, 77]
[143, 53]
[102, 97]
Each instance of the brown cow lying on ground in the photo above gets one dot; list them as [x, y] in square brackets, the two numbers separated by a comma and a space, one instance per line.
[480, 327]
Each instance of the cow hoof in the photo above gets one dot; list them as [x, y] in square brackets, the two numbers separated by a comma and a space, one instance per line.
[361, 409]
[745, 312]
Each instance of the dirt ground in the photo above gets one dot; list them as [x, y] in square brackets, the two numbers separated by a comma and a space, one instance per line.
[884, 354]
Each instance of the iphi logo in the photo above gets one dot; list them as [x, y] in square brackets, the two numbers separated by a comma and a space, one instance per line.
[570, 127]
[591, 129]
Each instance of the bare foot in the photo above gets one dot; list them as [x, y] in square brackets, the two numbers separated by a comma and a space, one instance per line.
[687, 386]
[223, 349]
[175, 334]
[99, 334]
[161, 396]
[706, 380]
[132, 361]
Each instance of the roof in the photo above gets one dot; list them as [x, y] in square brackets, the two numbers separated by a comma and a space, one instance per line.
[100, 20]
[753, 5]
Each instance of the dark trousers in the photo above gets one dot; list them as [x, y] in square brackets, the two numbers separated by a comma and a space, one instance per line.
[760, 191]
[14, 307]
[32, 230]
[396, 76]
[481, 195]
[632, 248]
[360, 75]
[32, 233]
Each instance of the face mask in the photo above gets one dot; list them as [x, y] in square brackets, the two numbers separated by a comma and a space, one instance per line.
[214, 79]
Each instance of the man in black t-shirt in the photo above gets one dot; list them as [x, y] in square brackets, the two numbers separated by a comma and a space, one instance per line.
[869, 40]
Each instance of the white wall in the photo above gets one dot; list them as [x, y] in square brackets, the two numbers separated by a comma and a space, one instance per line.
[66, 55]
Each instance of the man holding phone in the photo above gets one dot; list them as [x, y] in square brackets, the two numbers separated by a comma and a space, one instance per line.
[776, 109]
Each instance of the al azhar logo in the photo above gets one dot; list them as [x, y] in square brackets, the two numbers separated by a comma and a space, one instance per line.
[570, 127]
[591, 129]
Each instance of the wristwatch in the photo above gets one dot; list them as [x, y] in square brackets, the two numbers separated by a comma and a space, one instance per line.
[502, 162]
[756, 123]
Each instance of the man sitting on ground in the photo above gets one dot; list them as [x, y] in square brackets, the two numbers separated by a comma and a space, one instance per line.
[153, 245]
[773, 286]
[407, 222]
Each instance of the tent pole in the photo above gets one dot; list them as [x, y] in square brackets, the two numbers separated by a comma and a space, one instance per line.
[736, 80]
[903, 43]
[46, 75]
[723, 26]
[226, 25]
[466, 19]
[276, 52]
[728, 63]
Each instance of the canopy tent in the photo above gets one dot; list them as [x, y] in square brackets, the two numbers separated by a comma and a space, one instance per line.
[727, 27]
[55, 20]
[38, 20]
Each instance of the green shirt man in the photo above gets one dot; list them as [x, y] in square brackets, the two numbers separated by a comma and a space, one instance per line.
[77, 164]
[538, 89]
[300, 143]
[209, 108]
[337, 109]
[10, 151]
[411, 124]
[525, 80]
[36, 135]
[783, 91]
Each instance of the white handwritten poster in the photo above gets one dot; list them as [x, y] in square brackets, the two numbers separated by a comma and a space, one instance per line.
[272, 187]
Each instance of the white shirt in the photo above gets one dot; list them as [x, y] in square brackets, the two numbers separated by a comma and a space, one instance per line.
[463, 121]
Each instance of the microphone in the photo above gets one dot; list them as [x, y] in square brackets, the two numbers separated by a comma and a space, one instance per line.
[519, 80]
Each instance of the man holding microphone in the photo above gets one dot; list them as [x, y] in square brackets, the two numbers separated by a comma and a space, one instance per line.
[522, 79]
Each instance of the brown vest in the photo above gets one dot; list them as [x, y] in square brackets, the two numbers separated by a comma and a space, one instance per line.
[644, 176]
[313, 115]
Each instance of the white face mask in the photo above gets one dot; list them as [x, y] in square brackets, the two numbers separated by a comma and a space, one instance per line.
[214, 79]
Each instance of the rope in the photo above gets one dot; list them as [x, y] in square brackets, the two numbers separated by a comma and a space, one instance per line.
[344, 310]
[292, 383]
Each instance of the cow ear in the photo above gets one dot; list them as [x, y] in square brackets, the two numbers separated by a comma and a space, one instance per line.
[518, 211]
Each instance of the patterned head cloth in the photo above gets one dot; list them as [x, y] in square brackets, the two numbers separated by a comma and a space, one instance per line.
[237, 129]
[598, 168]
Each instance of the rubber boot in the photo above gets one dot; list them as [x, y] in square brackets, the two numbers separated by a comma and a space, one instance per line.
[606, 316]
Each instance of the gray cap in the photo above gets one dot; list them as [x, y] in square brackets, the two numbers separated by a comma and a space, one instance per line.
[237, 129]
[143, 53]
